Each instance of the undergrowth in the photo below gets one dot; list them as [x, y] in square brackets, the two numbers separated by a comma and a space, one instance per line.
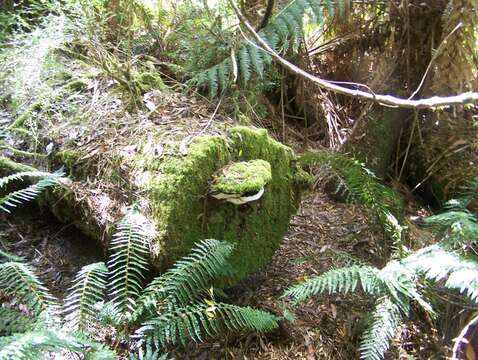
[407, 280]
[174, 308]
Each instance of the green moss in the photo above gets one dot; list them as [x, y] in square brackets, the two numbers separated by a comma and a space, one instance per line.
[243, 177]
[149, 80]
[178, 193]
[8, 166]
[76, 85]
[26, 115]
[68, 158]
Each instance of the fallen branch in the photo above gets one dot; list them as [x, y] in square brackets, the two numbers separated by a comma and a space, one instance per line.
[386, 100]
[461, 339]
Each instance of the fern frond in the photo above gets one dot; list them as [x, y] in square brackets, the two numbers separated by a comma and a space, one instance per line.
[21, 176]
[441, 265]
[244, 64]
[400, 282]
[19, 281]
[361, 186]
[460, 226]
[13, 321]
[128, 262]
[284, 29]
[87, 290]
[341, 280]
[381, 330]
[29, 193]
[190, 275]
[198, 321]
[213, 78]
[149, 353]
[257, 59]
[34, 344]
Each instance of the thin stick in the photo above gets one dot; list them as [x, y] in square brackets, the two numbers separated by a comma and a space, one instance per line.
[385, 100]
[462, 337]
[434, 57]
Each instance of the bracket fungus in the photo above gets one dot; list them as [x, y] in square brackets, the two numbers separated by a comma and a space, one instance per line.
[242, 182]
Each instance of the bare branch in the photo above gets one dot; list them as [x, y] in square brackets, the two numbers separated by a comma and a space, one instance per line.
[385, 100]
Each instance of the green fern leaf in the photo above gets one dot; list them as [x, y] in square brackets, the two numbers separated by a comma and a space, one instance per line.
[128, 262]
[149, 353]
[15, 198]
[244, 64]
[19, 281]
[190, 275]
[381, 330]
[341, 280]
[441, 265]
[223, 74]
[198, 321]
[212, 75]
[13, 321]
[282, 30]
[362, 186]
[36, 343]
[87, 290]
[256, 59]
[22, 175]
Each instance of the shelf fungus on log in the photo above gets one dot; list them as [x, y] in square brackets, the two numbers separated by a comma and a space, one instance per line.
[174, 189]
[242, 182]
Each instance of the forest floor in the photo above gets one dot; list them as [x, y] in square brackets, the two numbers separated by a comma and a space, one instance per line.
[324, 234]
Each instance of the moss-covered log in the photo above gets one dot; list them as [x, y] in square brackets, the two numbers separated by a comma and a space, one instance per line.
[178, 190]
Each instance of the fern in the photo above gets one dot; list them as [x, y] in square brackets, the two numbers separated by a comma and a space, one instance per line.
[20, 282]
[341, 280]
[149, 353]
[128, 261]
[383, 324]
[284, 29]
[13, 321]
[358, 184]
[190, 275]
[29, 193]
[394, 286]
[34, 344]
[87, 290]
[441, 265]
[21, 176]
[201, 320]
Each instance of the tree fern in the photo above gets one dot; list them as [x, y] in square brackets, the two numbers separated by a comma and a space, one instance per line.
[20, 282]
[383, 324]
[201, 320]
[284, 29]
[190, 275]
[87, 290]
[128, 261]
[29, 193]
